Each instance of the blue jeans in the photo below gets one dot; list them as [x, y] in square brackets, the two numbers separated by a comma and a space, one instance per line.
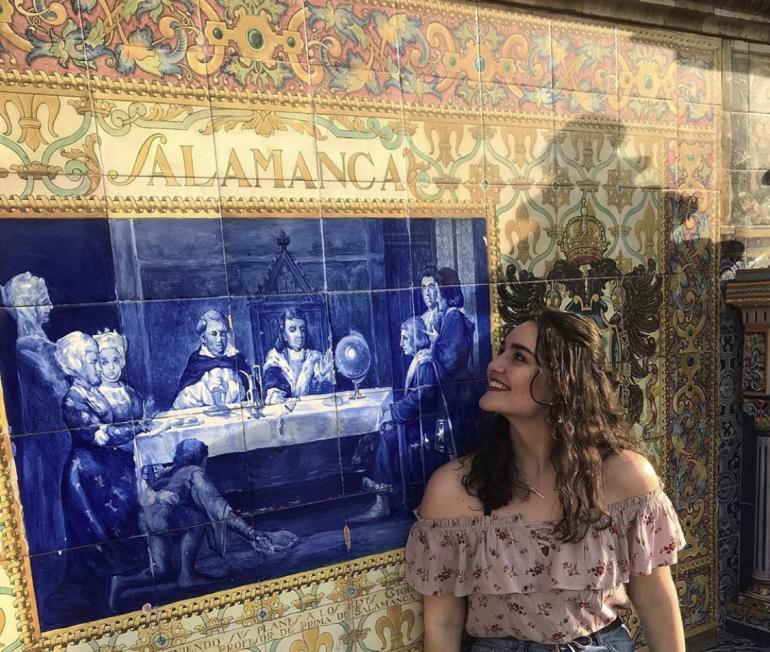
[618, 640]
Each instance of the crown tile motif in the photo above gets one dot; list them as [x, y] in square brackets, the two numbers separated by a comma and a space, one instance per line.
[583, 239]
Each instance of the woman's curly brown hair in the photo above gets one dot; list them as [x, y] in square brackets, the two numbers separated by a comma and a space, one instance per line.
[587, 425]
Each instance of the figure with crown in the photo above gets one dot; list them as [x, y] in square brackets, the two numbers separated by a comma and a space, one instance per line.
[99, 493]
[126, 404]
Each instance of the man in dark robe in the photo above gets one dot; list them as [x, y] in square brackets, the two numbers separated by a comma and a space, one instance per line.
[213, 372]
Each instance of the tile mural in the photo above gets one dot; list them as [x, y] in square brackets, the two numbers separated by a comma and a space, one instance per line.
[256, 257]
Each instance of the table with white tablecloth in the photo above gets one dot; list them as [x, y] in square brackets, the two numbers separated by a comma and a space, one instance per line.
[306, 420]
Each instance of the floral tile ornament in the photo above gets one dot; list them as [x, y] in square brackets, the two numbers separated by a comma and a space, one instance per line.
[647, 66]
[584, 57]
[517, 49]
[50, 144]
[363, 36]
[442, 42]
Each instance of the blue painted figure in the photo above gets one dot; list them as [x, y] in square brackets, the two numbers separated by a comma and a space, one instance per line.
[414, 413]
[453, 343]
[125, 402]
[435, 306]
[453, 355]
[212, 375]
[293, 368]
[42, 385]
[179, 508]
[99, 485]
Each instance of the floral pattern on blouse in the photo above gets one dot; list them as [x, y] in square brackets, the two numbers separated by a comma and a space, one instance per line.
[522, 581]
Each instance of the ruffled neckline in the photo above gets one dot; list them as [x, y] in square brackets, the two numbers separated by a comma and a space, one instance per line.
[482, 520]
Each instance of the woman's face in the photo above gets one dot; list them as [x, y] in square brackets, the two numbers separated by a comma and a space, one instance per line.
[112, 364]
[510, 375]
[90, 371]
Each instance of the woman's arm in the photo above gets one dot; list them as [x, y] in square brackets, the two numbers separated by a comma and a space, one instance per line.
[444, 615]
[657, 604]
[626, 475]
[444, 618]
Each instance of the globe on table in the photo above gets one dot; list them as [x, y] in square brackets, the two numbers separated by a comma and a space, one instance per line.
[353, 358]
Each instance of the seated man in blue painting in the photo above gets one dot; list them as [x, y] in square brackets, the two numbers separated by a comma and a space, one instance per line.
[293, 368]
[179, 508]
[213, 372]
[415, 412]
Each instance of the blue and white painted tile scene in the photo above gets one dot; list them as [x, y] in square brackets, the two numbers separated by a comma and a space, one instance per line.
[198, 404]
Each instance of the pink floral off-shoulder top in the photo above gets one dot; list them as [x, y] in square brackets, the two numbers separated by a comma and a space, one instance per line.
[522, 581]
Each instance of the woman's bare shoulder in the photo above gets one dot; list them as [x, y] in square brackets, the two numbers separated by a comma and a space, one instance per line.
[445, 496]
[627, 474]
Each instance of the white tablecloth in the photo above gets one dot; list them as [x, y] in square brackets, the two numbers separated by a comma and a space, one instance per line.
[313, 418]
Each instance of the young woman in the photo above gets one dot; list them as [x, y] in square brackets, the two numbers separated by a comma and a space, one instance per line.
[536, 541]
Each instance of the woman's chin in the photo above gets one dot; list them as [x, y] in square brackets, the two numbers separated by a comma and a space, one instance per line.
[488, 401]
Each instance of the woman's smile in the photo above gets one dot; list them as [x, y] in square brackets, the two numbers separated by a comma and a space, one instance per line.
[497, 386]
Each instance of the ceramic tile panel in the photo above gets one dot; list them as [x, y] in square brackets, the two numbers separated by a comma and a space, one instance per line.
[83, 271]
[232, 75]
[729, 514]
[698, 74]
[730, 451]
[137, 138]
[249, 42]
[169, 345]
[71, 587]
[274, 255]
[647, 65]
[168, 258]
[266, 164]
[45, 345]
[531, 237]
[698, 597]
[518, 154]
[378, 138]
[377, 316]
[585, 57]
[162, 194]
[651, 112]
[515, 48]
[38, 51]
[445, 159]
[355, 84]
[51, 142]
[585, 108]
[749, 197]
[459, 245]
[691, 219]
[364, 36]
[441, 40]
[368, 253]
[656, 451]
[306, 537]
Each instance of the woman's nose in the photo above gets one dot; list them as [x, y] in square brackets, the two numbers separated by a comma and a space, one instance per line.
[496, 363]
